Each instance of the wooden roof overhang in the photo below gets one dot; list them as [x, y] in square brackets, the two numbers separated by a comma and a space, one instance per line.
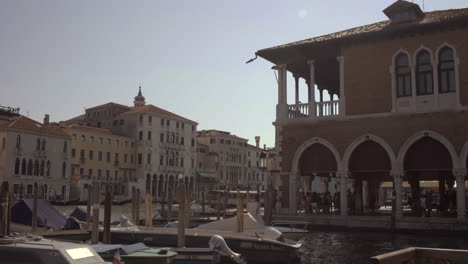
[324, 50]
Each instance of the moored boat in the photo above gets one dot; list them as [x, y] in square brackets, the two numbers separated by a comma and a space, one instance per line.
[37, 250]
[137, 253]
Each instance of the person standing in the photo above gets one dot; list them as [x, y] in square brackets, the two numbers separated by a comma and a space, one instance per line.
[429, 204]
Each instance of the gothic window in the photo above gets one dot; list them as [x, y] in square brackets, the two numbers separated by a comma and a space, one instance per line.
[403, 75]
[23, 167]
[17, 166]
[38, 144]
[42, 169]
[446, 70]
[64, 170]
[48, 168]
[65, 147]
[424, 78]
[43, 147]
[36, 168]
[18, 141]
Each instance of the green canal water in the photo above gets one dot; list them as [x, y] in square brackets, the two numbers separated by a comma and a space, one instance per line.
[355, 247]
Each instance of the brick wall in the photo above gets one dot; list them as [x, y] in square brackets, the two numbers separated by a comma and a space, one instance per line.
[367, 68]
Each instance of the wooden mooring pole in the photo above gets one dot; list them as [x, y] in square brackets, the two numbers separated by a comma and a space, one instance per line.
[96, 207]
[148, 210]
[225, 201]
[240, 212]
[106, 236]
[4, 209]
[88, 205]
[34, 209]
[188, 199]
[137, 207]
[169, 206]
[218, 206]
[134, 205]
[181, 199]
[203, 202]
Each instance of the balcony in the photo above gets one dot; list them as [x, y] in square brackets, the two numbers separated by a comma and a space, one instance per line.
[82, 160]
[40, 153]
[19, 151]
[116, 162]
[322, 109]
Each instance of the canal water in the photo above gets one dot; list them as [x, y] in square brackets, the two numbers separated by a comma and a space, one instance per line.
[356, 247]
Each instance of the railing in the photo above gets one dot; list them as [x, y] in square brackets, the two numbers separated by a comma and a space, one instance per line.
[298, 111]
[328, 108]
[422, 255]
[322, 109]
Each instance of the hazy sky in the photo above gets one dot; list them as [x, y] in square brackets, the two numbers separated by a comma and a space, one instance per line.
[58, 57]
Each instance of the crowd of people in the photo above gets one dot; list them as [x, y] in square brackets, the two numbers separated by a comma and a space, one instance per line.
[319, 203]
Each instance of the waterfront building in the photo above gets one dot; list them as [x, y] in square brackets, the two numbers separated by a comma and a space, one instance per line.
[397, 111]
[165, 143]
[235, 162]
[33, 152]
[98, 155]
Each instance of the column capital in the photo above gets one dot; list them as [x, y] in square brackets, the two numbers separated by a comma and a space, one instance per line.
[311, 62]
[340, 59]
[279, 67]
[397, 174]
[343, 174]
[459, 173]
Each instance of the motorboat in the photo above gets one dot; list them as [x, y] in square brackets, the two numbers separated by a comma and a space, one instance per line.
[137, 253]
[37, 250]
[294, 230]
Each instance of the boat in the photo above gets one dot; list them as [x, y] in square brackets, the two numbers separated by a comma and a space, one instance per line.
[254, 248]
[294, 230]
[137, 253]
[37, 250]
[253, 222]
[47, 216]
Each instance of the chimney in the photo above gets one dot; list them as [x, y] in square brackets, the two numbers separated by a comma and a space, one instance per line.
[46, 119]
[257, 141]
[264, 146]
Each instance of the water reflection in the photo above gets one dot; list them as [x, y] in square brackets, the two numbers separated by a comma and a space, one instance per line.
[332, 247]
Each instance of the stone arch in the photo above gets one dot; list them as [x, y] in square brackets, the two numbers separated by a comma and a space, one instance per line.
[396, 54]
[464, 156]
[358, 141]
[309, 143]
[443, 45]
[422, 48]
[426, 133]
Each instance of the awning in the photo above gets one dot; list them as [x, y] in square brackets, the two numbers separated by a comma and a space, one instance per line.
[207, 177]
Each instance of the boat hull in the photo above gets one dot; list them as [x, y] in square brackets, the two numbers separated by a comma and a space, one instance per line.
[253, 250]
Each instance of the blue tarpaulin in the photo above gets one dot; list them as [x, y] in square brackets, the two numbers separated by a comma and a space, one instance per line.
[21, 213]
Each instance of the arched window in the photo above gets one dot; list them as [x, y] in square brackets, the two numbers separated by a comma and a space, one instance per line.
[446, 70]
[403, 75]
[36, 168]
[65, 147]
[30, 168]
[43, 145]
[38, 144]
[23, 167]
[18, 141]
[17, 166]
[64, 170]
[48, 168]
[424, 78]
[42, 170]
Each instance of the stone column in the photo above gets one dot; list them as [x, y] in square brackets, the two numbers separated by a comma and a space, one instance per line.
[293, 193]
[343, 175]
[282, 106]
[312, 104]
[460, 175]
[398, 187]
[296, 80]
[342, 102]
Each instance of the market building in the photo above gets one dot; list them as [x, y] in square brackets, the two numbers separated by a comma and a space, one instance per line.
[32, 152]
[397, 111]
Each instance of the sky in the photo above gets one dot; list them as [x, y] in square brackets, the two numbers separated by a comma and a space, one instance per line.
[60, 57]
